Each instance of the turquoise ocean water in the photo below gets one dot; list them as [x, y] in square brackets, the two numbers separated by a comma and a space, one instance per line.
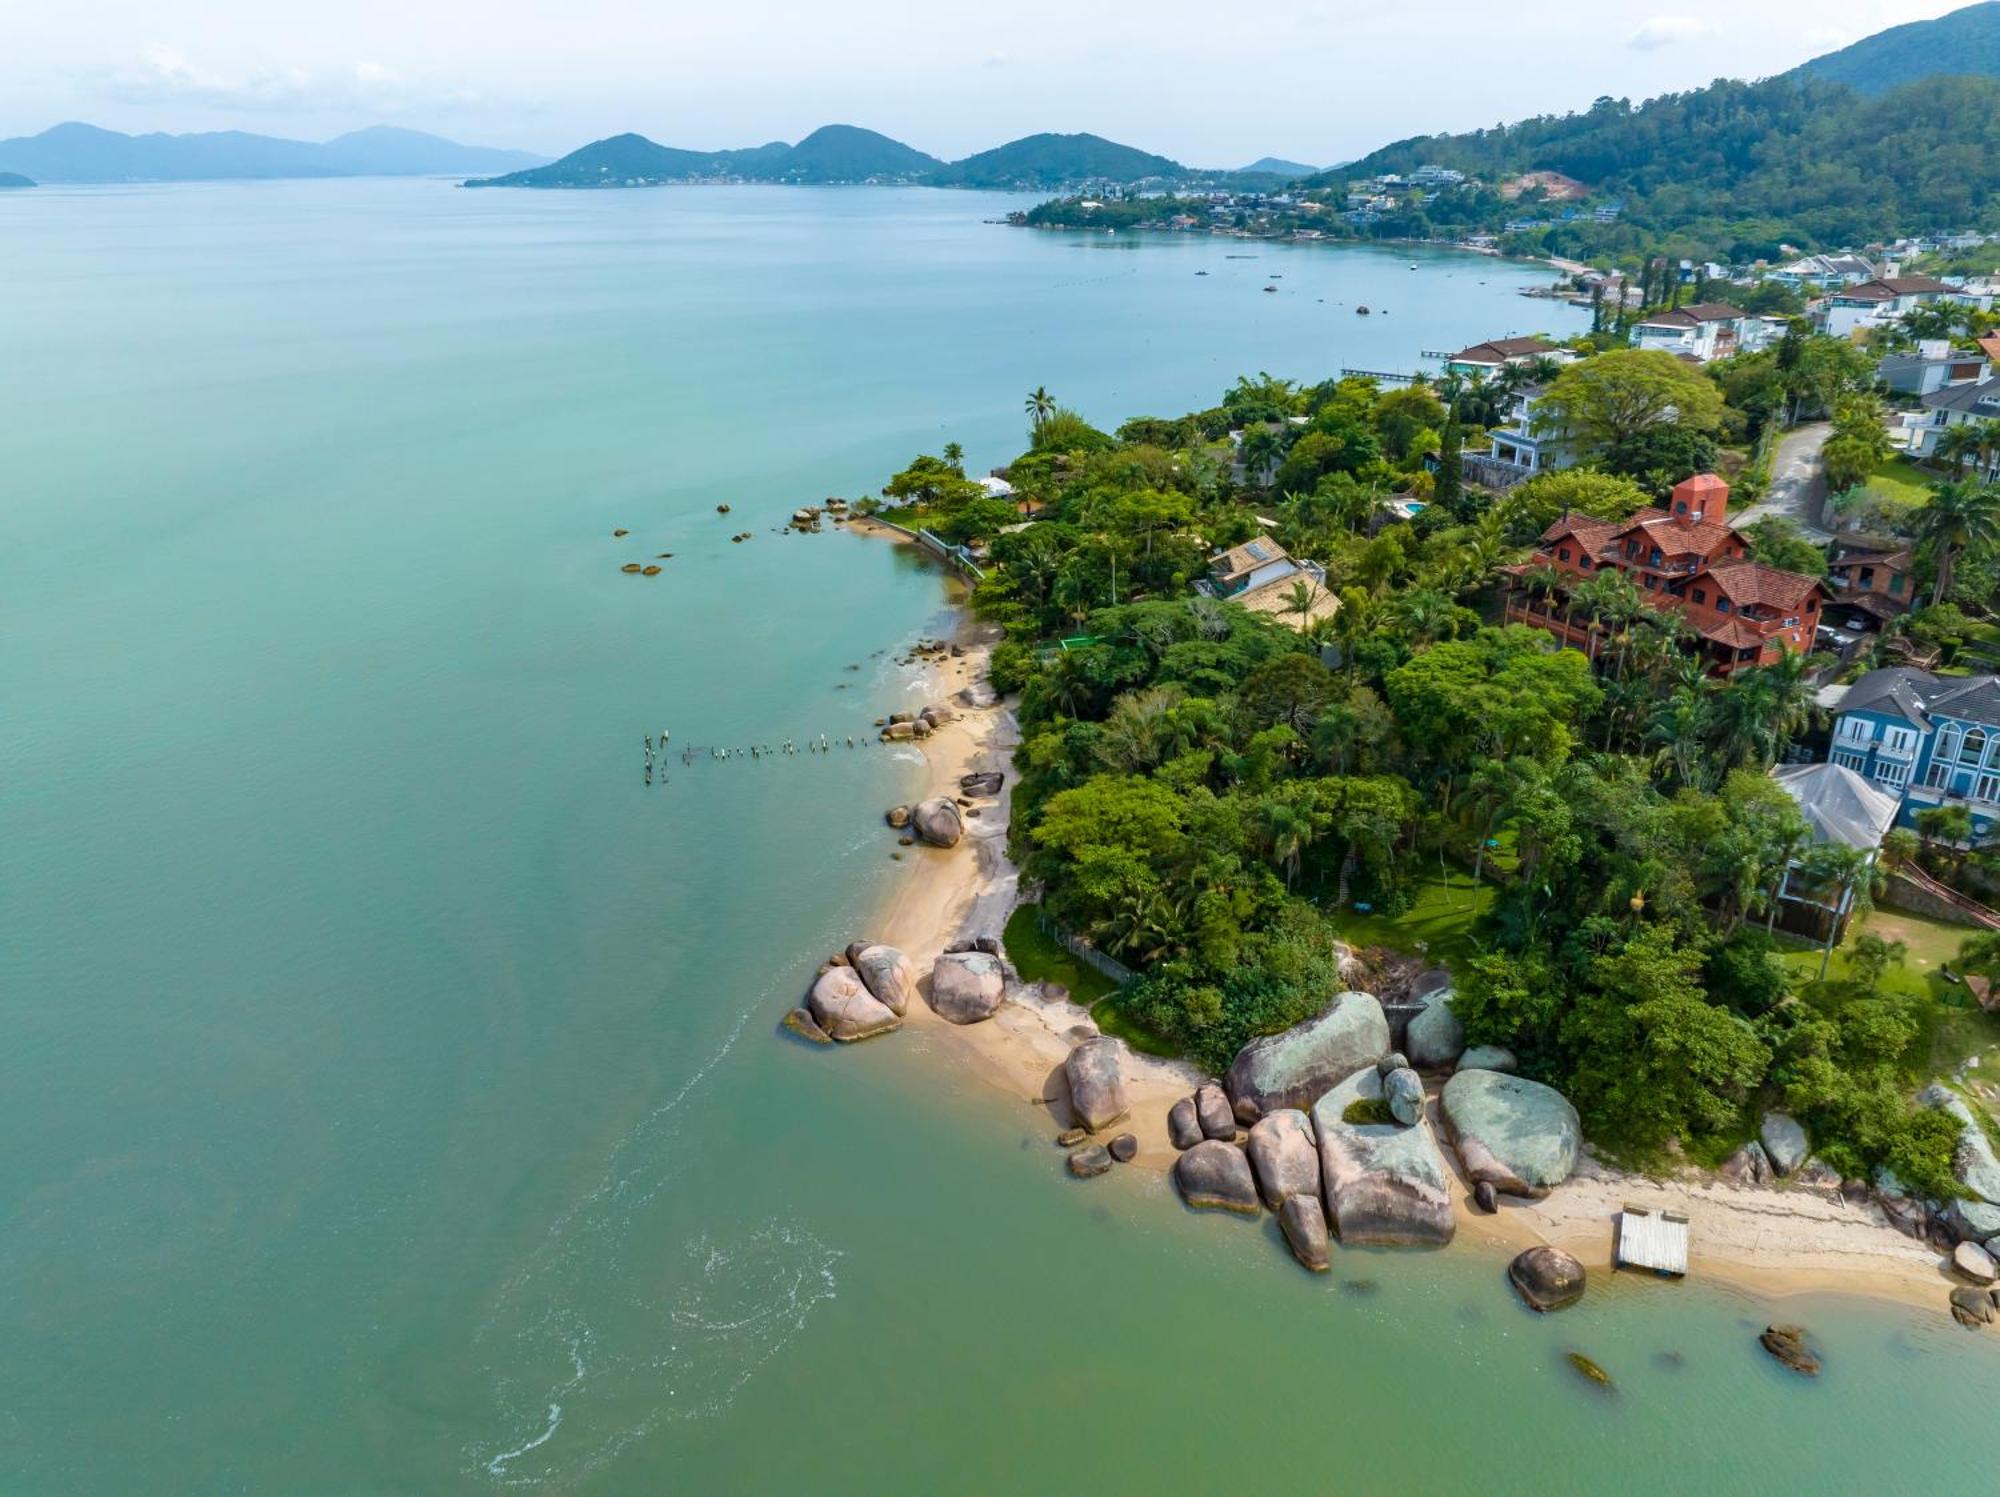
[389, 1084]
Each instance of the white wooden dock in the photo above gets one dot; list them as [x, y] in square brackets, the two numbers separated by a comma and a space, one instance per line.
[1650, 1239]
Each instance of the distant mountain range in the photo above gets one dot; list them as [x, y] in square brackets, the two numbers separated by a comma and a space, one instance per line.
[1964, 42]
[85, 153]
[1277, 166]
[847, 153]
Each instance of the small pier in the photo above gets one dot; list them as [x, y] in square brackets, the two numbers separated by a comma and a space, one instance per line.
[1654, 1240]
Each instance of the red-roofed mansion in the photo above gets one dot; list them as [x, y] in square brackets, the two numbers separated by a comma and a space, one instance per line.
[1685, 558]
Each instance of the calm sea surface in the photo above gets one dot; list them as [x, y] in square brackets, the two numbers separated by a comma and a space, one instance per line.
[388, 1083]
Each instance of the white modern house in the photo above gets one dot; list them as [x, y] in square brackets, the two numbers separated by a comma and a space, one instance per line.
[1933, 367]
[1879, 302]
[1953, 405]
[1704, 331]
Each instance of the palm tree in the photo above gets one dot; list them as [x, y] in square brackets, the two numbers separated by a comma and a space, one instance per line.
[955, 455]
[1958, 445]
[1744, 708]
[1287, 833]
[1961, 518]
[1040, 406]
[1680, 729]
[1301, 600]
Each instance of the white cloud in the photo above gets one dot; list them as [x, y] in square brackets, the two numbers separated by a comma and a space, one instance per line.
[1667, 31]
[164, 74]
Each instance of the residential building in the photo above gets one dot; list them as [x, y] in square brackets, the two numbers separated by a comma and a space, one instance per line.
[1498, 353]
[1262, 576]
[1824, 271]
[1955, 405]
[1872, 580]
[1933, 366]
[1841, 808]
[1432, 175]
[1878, 302]
[1705, 330]
[1687, 559]
[1931, 740]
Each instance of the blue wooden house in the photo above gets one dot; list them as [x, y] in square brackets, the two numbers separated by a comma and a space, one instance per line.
[1931, 740]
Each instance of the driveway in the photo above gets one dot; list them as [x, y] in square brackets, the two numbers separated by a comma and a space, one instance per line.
[1798, 486]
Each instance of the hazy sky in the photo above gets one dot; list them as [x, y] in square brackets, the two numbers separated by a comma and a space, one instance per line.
[1210, 84]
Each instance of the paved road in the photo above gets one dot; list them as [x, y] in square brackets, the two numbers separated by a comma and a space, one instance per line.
[1798, 487]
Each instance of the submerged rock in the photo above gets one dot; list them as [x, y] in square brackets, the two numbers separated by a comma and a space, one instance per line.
[1212, 1108]
[1784, 1142]
[1588, 1368]
[1972, 1308]
[1303, 1222]
[1069, 1138]
[1096, 1072]
[967, 986]
[1788, 1344]
[801, 1023]
[1184, 1124]
[1435, 1037]
[845, 1009]
[897, 817]
[1283, 1156]
[886, 973]
[1547, 1278]
[1383, 1183]
[1520, 1135]
[937, 820]
[1215, 1176]
[1294, 1067]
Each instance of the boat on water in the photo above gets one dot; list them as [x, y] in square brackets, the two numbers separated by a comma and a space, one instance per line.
[1270, 288]
[1201, 272]
[1361, 311]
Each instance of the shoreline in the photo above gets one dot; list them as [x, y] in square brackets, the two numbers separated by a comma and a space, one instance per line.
[1770, 1243]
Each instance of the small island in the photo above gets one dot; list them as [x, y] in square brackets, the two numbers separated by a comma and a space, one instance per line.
[15, 179]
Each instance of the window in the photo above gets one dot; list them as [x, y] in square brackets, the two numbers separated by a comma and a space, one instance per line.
[1701, 595]
[1975, 747]
[1856, 730]
[1652, 583]
[1890, 772]
[1847, 760]
[1656, 556]
[1867, 576]
[1899, 740]
[1895, 582]
[1792, 622]
[1934, 777]
[1563, 553]
[1948, 741]
[1988, 788]
[1722, 605]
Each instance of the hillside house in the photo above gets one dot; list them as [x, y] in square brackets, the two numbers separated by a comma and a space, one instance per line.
[1935, 366]
[1704, 331]
[1265, 578]
[1687, 559]
[1871, 582]
[1496, 354]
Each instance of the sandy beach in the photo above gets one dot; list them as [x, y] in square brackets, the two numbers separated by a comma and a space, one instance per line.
[1769, 1242]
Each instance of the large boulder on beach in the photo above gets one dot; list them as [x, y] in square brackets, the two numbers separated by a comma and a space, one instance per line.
[1435, 1039]
[1211, 1109]
[843, 1007]
[1383, 1183]
[1971, 1261]
[938, 821]
[1522, 1136]
[1184, 1124]
[1973, 1220]
[1403, 1091]
[886, 973]
[1215, 1176]
[1547, 1278]
[1096, 1073]
[1747, 1166]
[1784, 1142]
[967, 986]
[1283, 1156]
[1294, 1067]
[1303, 1221]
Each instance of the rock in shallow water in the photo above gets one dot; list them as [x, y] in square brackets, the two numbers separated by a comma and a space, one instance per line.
[1095, 1160]
[1788, 1344]
[1520, 1135]
[1215, 1176]
[967, 986]
[1096, 1073]
[1547, 1278]
[845, 1009]
[1294, 1067]
[1303, 1222]
[1283, 1156]
[1485, 1197]
[1972, 1308]
[1125, 1148]
[801, 1023]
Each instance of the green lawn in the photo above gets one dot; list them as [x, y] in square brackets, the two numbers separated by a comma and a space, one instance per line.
[1439, 925]
[1900, 479]
[1954, 1025]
